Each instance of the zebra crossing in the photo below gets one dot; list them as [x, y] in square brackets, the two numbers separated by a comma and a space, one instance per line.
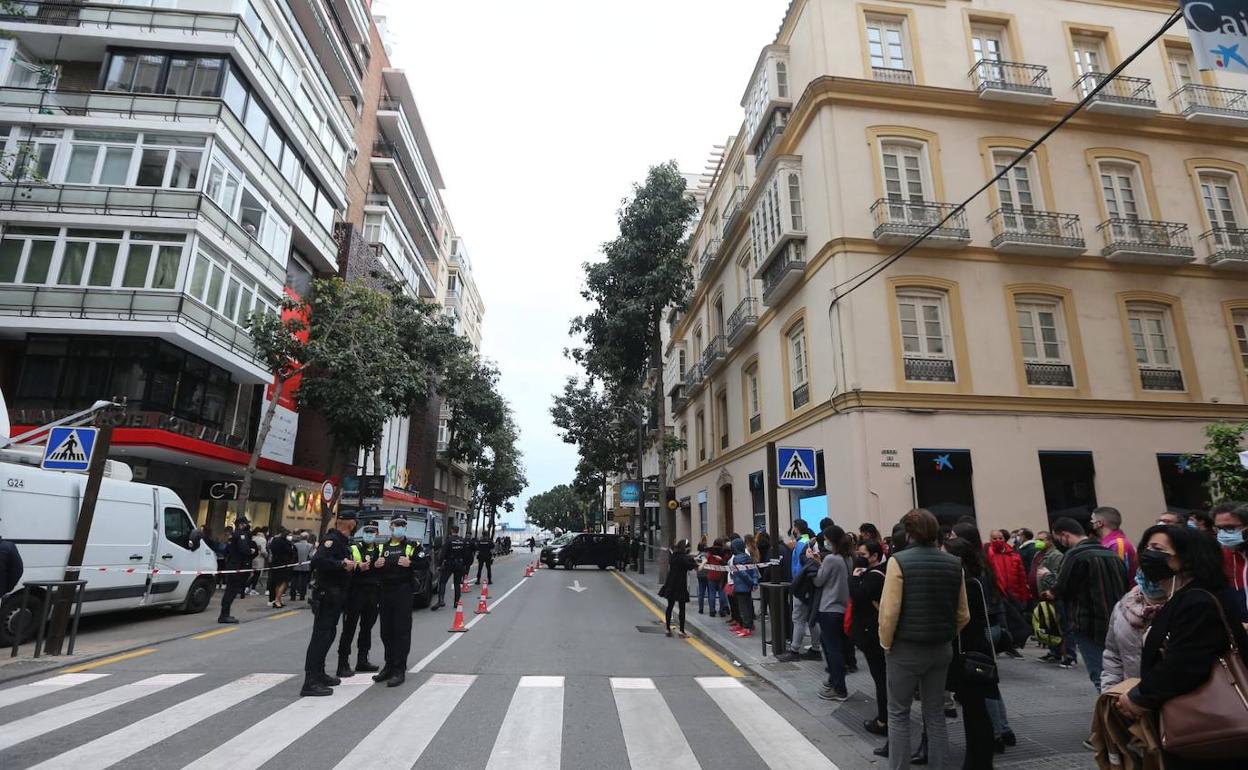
[167, 708]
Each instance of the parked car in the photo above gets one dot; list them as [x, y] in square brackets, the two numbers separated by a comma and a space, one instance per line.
[580, 548]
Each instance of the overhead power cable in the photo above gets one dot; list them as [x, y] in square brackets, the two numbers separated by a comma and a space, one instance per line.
[879, 267]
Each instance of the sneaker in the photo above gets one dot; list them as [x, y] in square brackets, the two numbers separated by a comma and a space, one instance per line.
[834, 695]
[1049, 657]
[746, 633]
[1068, 663]
[788, 656]
[1087, 744]
[1013, 653]
[812, 654]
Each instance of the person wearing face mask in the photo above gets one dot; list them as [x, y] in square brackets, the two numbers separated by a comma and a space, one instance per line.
[1231, 523]
[1187, 634]
[1127, 624]
[1091, 582]
[396, 563]
[333, 565]
[362, 605]
[1201, 522]
[1106, 524]
[866, 586]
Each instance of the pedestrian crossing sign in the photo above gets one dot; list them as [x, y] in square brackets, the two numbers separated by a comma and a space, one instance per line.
[69, 449]
[797, 468]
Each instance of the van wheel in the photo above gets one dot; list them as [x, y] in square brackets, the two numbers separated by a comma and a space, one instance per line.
[198, 597]
[568, 565]
[602, 566]
[12, 619]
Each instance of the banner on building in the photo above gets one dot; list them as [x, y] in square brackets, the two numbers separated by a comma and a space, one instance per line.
[279, 445]
[1219, 33]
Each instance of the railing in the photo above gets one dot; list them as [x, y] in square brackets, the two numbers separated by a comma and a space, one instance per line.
[422, 274]
[723, 441]
[789, 259]
[914, 218]
[775, 129]
[1153, 378]
[389, 151]
[174, 109]
[756, 423]
[1010, 76]
[733, 208]
[1049, 375]
[1037, 227]
[1192, 98]
[709, 253]
[929, 370]
[693, 377]
[892, 75]
[101, 16]
[801, 395]
[452, 297]
[1138, 235]
[745, 315]
[715, 352]
[142, 202]
[1128, 91]
[443, 445]
[101, 304]
[1226, 242]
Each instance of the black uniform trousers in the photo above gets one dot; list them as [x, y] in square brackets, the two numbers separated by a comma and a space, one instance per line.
[396, 624]
[446, 573]
[235, 585]
[489, 569]
[330, 601]
[361, 609]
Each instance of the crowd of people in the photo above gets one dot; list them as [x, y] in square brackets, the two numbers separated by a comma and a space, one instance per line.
[932, 608]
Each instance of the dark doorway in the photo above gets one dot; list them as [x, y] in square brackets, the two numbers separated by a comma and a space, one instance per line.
[943, 483]
[725, 510]
[1069, 480]
[1183, 484]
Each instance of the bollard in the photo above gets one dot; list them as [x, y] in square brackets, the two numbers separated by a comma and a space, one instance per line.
[773, 604]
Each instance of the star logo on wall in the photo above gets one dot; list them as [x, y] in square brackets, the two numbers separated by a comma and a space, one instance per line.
[943, 463]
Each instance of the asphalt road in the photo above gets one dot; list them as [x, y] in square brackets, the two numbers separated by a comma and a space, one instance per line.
[551, 677]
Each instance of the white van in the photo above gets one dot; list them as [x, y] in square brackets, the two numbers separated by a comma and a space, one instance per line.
[135, 525]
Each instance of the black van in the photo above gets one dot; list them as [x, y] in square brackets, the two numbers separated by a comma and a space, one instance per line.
[579, 548]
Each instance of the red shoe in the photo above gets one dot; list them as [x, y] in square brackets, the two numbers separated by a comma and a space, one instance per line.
[734, 626]
[746, 633]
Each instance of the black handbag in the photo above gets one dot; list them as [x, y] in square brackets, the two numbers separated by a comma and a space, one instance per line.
[976, 667]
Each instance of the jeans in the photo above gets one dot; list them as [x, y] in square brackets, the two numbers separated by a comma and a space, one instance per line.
[717, 592]
[704, 593]
[803, 621]
[925, 666]
[996, 712]
[1092, 654]
[299, 584]
[832, 635]
[667, 618]
[745, 608]
[879, 674]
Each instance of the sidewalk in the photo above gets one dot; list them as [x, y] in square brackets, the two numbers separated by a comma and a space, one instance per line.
[1050, 709]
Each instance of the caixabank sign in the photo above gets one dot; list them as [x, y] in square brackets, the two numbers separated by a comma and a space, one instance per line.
[1219, 32]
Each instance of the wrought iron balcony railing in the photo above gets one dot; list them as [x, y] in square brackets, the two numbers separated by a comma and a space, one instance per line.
[892, 75]
[929, 369]
[1154, 378]
[709, 253]
[988, 75]
[775, 128]
[1036, 227]
[785, 266]
[693, 378]
[1122, 90]
[734, 208]
[1140, 236]
[1226, 243]
[714, 354]
[744, 318]
[756, 423]
[915, 217]
[1049, 375]
[1194, 99]
[801, 395]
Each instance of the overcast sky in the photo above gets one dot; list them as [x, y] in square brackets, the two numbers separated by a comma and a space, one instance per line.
[542, 114]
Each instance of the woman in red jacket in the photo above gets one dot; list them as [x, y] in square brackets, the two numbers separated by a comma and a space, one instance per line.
[1007, 566]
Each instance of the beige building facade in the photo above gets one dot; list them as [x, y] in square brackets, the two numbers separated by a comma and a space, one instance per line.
[1059, 344]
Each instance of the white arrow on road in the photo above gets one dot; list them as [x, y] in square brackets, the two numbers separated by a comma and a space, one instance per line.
[576, 586]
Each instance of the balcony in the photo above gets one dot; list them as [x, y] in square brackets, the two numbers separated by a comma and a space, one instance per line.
[673, 372]
[331, 44]
[742, 321]
[783, 273]
[1159, 379]
[146, 204]
[801, 395]
[767, 93]
[773, 130]
[710, 253]
[1228, 248]
[679, 401]
[714, 356]
[694, 380]
[929, 369]
[1146, 243]
[398, 184]
[891, 75]
[899, 222]
[1206, 104]
[733, 209]
[1129, 97]
[169, 315]
[389, 240]
[1036, 233]
[1042, 375]
[1005, 81]
[756, 424]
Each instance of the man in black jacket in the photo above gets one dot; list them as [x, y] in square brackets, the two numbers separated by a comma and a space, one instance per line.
[333, 566]
[452, 564]
[485, 558]
[396, 564]
[239, 552]
[1091, 582]
[362, 605]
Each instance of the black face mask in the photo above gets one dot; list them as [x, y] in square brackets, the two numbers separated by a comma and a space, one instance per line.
[860, 562]
[1155, 565]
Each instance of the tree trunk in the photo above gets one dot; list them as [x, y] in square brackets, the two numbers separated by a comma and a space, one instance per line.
[266, 423]
[377, 470]
[667, 517]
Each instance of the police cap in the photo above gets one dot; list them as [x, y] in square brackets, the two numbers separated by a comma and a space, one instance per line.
[347, 515]
[400, 521]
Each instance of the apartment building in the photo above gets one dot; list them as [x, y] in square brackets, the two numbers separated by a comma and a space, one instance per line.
[1059, 344]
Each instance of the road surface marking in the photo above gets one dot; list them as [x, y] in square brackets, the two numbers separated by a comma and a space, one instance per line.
[441, 648]
[576, 586]
[266, 739]
[531, 737]
[33, 690]
[280, 615]
[218, 632]
[778, 742]
[651, 733]
[404, 735]
[696, 644]
[55, 718]
[107, 661]
[137, 736]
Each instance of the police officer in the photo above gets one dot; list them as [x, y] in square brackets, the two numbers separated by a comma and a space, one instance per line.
[395, 565]
[333, 566]
[452, 563]
[485, 558]
[239, 552]
[361, 608]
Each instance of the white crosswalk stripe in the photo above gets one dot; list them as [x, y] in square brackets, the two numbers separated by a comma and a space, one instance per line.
[651, 732]
[25, 692]
[531, 737]
[779, 743]
[55, 718]
[128, 741]
[404, 735]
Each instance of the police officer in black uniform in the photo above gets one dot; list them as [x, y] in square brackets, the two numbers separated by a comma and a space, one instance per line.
[361, 608]
[333, 566]
[452, 563]
[485, 558]
[396, 565]
[239, 552]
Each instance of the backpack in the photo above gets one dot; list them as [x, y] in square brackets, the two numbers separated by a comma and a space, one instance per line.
[1045, 623]
[803, 588]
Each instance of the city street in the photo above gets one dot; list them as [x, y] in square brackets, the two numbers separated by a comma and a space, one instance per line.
[552, 677]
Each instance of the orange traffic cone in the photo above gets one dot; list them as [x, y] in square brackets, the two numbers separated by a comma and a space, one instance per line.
[485, 590]
[481, 608]
[463, 587]
[528, 570]
[457, 627]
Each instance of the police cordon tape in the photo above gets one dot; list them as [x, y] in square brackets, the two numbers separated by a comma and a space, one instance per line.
[158, 571]
[752, 567]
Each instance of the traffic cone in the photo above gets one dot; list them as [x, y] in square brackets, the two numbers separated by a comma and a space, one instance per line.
[485, 590]
[481, 608]
[457, 627]
[463, 587]
[528, 570]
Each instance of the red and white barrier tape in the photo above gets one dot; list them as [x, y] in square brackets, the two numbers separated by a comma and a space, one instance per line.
[158, 571]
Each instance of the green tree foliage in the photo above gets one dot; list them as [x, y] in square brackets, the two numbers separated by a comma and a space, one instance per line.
[561, 507]
[499, 477]
[1228, 480]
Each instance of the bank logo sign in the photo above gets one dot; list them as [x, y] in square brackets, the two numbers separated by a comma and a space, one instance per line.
[1219, 32]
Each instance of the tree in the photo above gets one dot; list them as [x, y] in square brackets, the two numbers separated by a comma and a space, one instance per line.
[599, 422]
[469, 388]
[560, 507]
[1228, 479]
[499, 477]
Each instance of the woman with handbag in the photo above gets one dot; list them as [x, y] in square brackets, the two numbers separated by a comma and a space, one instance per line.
[704, 586]
[676, 589]
[1192, 673]
[973, 671]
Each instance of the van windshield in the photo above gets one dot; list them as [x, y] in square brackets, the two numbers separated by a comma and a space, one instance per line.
[564, 539]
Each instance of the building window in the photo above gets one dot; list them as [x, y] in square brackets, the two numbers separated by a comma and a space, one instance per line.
[927, 348]
[782, 80]
[1042, 336]
[943, 483]
[1014, 190]
[1153, 341]
[721, 405]
[1090, 59]
[682, 361]
[1185, 487]
[700, 432]
[1182, 66]
[684, 448]
[795, 202]
[799, 368]
[1069, 480]
[753, 399]
[1119, 183]
[1239, 320]
[1219, 191]
[887, 43]
[904, 175]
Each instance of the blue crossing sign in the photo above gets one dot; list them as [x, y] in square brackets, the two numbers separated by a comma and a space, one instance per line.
[69, 449]
[797, 468]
